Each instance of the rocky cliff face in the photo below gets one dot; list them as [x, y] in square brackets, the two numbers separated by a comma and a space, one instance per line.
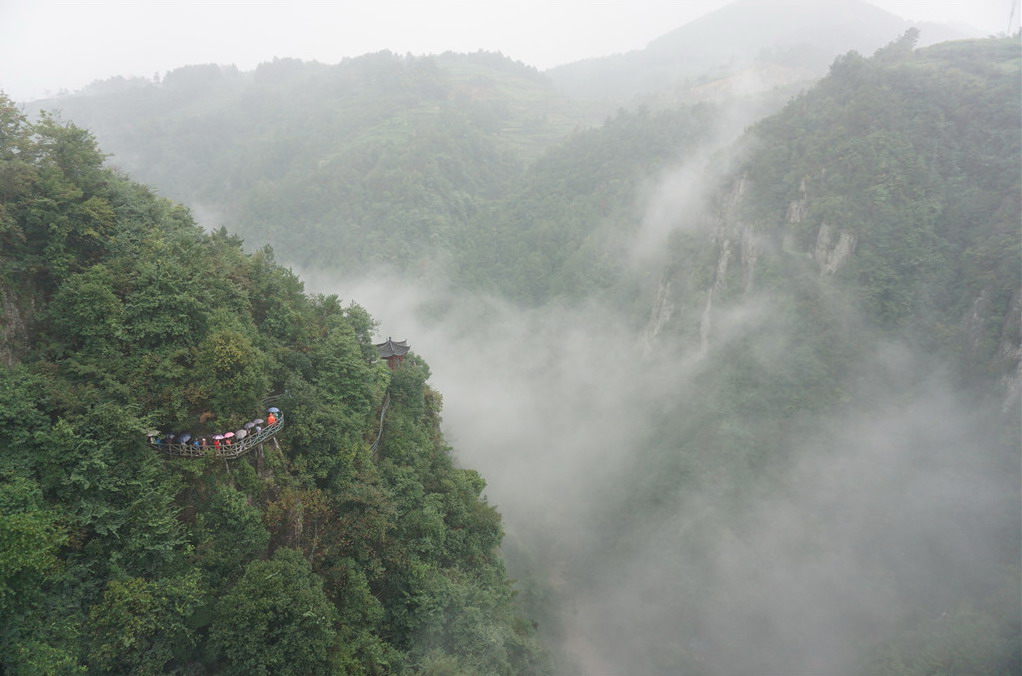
[1009, 352]
[15, 319]
[988, 338]
[660, 315]
[739, 247]
[833, 245]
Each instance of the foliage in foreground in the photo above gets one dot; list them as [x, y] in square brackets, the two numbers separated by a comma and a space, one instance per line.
[312, 557]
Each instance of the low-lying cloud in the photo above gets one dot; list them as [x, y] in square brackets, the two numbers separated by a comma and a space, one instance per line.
[893, 509]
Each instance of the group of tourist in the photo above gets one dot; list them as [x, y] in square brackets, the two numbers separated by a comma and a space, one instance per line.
[273, 416]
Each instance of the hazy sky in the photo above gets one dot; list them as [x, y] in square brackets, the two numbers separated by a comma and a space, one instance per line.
[46, 45]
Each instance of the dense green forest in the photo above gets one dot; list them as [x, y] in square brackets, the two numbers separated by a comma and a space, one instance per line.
[852, 293]
[775, 383]
[375, 160]
[824, 476]
[831, 332]
[314, 555]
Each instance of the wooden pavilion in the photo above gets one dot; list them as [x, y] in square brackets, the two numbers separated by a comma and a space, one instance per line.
[393, 351]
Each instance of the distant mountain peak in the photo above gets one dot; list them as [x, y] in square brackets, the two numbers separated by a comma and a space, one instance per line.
[810, 32]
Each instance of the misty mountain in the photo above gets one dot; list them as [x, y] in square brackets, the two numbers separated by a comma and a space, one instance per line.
[832, 333]
[561, 230]
[895, 176]
[401, 161]
[757, 411]
[384, 156]
[748, 400]
[746, 47]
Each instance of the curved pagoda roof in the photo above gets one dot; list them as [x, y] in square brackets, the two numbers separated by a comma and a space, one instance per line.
[392, 348]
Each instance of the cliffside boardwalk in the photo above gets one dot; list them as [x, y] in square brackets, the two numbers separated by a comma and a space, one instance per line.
[393, 351]
[379, 435]
[235, 450]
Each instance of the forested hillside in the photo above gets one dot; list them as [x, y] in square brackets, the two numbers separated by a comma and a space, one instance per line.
[837, 410]
[310, 555]
[747, 408]
[896, 181]
[562, 230]
[375, 160]
[775, 390]
[925, 192]
[802, 456]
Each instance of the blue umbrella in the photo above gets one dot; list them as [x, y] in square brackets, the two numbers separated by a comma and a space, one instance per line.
[273, 409]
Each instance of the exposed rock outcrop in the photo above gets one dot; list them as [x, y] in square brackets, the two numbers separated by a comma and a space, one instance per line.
[832, 252]
[663, 308]
[14, 328]
[1009, 352]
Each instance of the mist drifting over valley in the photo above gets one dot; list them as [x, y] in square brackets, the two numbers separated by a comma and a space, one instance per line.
[884, 512]
[730, 325]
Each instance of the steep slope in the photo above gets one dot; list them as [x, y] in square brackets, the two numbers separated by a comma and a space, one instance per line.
[561, 231]
[898, 178]
[786, 439]
[311, 554]
[830, 482]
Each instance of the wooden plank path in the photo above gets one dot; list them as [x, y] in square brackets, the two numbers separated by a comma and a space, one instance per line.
[252, 441]
[235, 450]
[379, 435]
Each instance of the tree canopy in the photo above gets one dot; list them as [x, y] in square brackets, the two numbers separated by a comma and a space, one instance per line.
[308, 556]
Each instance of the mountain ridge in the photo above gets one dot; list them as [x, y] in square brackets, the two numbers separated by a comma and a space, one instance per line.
[796, 32]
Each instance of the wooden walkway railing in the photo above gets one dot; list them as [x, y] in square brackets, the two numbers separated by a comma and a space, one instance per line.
[379, 435]
[243, 446]
[235, 450]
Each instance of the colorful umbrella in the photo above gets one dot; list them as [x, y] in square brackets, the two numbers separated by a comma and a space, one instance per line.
[228, 435]
[219, 436]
